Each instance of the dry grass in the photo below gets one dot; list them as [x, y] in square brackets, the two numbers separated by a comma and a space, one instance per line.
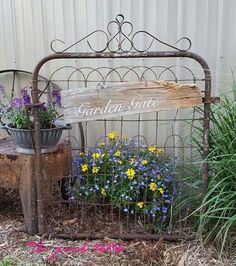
[13, 240]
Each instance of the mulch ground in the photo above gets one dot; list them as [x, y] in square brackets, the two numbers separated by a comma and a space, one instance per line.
[14, 249]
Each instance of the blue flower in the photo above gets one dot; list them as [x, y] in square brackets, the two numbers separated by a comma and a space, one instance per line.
[125, 210]
[71, 198]
[142, 184]
[96, 187]
[164, 218]
[164, 209]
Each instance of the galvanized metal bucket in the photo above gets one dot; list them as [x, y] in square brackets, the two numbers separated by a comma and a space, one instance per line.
[24, 138]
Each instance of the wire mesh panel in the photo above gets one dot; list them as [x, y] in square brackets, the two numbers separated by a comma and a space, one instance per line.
[129, 174]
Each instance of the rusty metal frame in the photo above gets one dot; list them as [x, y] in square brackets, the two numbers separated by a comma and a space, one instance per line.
[108, 53]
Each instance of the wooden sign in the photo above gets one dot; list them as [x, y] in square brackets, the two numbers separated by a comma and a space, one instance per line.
[127, 98]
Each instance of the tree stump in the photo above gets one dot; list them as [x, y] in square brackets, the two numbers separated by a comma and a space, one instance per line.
[17, 171]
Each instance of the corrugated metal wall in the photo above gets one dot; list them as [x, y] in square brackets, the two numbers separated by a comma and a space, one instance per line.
[27, 27]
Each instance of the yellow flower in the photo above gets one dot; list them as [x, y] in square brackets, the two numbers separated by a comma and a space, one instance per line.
[144, 162]
[112, 135]
[158, 177]
[81, 154]
[131, 161]
[120, 162]
[95, 170]
[152, 148]
[96, 156]
[103, 192]
[161, 152]
[102, 144]
[84, 167]
[118, 153]
[140, 205]
[130, 173]
[103, 155]
[153, 186]
[123, 137]
[161, 190]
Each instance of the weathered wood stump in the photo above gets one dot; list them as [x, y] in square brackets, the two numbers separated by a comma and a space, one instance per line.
[17, 171]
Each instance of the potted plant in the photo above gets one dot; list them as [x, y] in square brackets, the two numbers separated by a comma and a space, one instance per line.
[16, 117]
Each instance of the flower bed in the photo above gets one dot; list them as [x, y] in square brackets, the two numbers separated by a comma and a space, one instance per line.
[136, 179]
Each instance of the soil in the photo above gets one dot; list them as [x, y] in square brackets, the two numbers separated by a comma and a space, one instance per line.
[14, 249]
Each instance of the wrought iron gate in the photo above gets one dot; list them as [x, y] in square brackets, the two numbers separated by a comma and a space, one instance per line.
[121, 47]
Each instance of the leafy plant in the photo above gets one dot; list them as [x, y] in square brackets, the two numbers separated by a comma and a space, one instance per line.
[217, 211]
[18, 112]
[217, 220]
[5, 262]
[132, 178]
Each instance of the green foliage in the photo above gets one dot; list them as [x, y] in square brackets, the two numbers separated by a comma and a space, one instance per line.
[217, 212]
[18, 118]
[217, 220]
[5, 262]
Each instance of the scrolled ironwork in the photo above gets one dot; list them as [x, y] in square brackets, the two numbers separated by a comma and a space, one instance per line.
[119, 38]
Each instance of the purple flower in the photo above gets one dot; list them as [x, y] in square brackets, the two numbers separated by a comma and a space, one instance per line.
[16, 103]
[56, 98]
[25, 97]
[71, 198]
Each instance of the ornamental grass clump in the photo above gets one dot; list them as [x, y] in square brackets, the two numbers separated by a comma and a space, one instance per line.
[135, 179]
[14, 110]
[217, 221]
